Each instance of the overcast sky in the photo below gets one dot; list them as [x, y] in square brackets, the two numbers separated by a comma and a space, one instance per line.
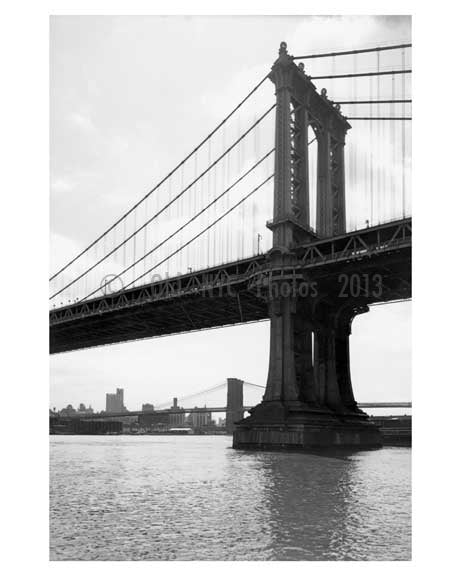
[130, 96]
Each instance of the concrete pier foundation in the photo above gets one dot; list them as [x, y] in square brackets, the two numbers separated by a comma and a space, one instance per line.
[309, 402]
[276, 427]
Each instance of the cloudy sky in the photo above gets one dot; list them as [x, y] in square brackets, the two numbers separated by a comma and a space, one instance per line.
[131, 96]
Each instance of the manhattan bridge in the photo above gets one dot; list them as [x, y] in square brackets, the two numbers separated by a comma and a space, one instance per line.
[296, 209]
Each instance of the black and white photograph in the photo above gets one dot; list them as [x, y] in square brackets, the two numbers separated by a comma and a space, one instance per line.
[229, 335]
[230, 295]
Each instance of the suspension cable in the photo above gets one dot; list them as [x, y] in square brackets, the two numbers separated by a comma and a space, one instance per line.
[168, 204]
[361, 74]
[378, 117]
[175, 169]
[199, 213]
[212, 389]
[189, 241]
[373, 101]
[255, 385]
[346, 52]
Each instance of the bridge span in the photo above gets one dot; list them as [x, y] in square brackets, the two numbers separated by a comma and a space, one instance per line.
[255, 222]
[231, 293]
[215, 409]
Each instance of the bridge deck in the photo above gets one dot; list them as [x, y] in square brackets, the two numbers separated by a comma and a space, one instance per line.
[226, 295]
[216, 409]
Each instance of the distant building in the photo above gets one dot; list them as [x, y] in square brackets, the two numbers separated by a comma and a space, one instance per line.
[147, 407]
[178, 418]
[69, 410]
[114, 402]
[82, 409]
[199, 419]
[153, 420]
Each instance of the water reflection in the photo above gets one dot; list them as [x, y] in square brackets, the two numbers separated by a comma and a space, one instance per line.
[160, 498]
[327, 508]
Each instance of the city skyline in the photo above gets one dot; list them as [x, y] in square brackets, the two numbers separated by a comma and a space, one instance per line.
[145, 407]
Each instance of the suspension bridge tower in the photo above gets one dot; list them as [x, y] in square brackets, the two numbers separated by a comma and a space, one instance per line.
[234, 404]
[309, 402]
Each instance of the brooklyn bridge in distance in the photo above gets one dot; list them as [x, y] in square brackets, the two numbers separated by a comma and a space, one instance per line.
[178, 419]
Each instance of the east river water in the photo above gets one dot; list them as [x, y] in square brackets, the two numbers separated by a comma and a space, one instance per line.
[194, 498]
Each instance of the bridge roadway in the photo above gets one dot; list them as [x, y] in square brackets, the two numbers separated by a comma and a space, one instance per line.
[221, 409]
[227, 294]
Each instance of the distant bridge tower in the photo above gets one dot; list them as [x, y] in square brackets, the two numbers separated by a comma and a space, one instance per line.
[234, 410]
[308, 400]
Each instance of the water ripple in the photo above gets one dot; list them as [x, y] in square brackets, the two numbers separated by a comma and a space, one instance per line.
[194, 498]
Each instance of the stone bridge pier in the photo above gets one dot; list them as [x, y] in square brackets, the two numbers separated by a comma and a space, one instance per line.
[309, 401]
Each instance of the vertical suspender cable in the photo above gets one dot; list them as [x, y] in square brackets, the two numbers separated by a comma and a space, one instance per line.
[379, 147]
[134, 245]
[145, 234]
[371, 154]
[393, 144]
[208, 198]
[403, 138]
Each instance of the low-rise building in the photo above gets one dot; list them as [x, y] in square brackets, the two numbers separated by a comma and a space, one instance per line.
[199, 419]
[69, 410]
